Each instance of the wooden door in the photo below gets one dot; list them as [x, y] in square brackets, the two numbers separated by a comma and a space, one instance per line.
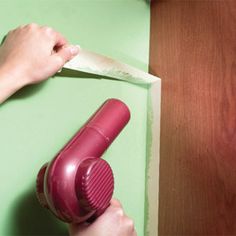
[193, 50]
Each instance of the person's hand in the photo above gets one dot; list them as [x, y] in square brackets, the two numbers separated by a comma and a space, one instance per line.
[31, 54]
[113, 222]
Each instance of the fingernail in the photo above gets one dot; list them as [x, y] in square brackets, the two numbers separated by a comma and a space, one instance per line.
[74, 50]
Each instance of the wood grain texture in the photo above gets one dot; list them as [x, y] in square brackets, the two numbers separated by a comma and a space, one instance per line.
[193, 50]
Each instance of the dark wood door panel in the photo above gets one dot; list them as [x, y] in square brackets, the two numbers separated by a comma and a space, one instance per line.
[193, 50]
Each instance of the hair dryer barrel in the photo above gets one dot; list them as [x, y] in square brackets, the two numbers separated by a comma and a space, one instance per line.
[110, 119]
[100, 130]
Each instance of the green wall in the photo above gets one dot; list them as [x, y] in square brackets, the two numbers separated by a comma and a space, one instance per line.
[37, 121]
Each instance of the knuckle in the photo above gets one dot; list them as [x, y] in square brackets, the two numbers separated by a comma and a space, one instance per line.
[64, 39]
[115, 202]
[119, 212]
[59, 61]
[48, 30]
[130, 224]
[10, 32]
[32, 25]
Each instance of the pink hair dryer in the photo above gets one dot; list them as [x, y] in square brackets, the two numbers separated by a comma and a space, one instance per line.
[77, 184]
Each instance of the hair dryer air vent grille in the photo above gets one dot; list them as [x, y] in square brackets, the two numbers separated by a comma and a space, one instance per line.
[96, 183]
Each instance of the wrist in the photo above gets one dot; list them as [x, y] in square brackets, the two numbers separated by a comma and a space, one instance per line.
[9, 84]
[13, 77]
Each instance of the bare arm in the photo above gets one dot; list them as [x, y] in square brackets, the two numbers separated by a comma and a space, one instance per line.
[31, 54]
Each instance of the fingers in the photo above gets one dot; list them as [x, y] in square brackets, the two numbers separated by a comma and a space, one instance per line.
[64, 54]
[60, 40]
[68, 52]
[129, 224]
[57, 37]
[62, 51]
[112, 222]
[116, 203]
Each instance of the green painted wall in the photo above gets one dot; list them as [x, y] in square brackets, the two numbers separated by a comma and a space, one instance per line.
[37, 121]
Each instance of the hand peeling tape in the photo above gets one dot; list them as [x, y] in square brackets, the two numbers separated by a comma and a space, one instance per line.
[93, 63]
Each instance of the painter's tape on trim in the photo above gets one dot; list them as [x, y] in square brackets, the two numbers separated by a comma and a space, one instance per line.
[92, 63]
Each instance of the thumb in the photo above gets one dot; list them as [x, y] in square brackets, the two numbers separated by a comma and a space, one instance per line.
[64, 54]
[67, 52]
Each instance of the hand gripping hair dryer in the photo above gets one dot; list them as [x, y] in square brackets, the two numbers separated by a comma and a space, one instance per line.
[77, 184]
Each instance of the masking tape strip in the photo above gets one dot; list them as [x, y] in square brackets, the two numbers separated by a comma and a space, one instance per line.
[93, 63]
